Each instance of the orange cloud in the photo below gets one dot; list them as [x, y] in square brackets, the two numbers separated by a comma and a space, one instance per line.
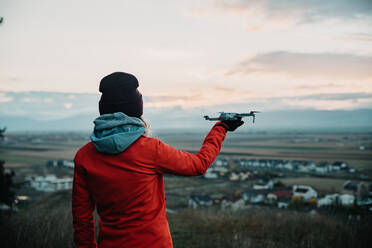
[307, 65]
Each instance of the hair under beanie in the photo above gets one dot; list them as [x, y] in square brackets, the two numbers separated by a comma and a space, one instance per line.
[120, 94]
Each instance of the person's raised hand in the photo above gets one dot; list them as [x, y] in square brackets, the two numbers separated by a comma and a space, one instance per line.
[231, 125]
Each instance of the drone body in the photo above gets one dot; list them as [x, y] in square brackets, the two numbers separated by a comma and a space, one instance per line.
[232, 116]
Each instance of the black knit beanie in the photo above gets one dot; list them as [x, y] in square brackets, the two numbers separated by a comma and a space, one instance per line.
[120, 94]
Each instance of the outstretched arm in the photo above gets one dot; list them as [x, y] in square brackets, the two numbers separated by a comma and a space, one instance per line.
[82, 210]
[172, 161]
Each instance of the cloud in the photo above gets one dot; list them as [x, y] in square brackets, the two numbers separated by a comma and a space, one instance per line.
[5, 98]
[364, 37]
[337, 96]
[260, 15]
[321, 65]
[225, 90]
[327, 101]
[30, 99]
[301, 11]
[48, 105]
[170, 54]
[171, 98]
[67, 105]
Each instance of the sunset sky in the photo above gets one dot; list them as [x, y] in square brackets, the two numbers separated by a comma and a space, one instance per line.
[272, 54]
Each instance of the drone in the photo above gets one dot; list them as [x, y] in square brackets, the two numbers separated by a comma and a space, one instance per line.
[232, 116]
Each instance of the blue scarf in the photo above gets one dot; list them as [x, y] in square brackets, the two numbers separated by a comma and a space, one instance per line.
[113, 133]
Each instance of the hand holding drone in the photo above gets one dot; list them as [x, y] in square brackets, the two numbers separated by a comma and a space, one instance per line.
[231, 121]
[232, 116]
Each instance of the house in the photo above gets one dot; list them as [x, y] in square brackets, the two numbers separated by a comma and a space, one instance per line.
[217, 198]
[221, 162]
[210, 174]
[346, 200]
[296, 164]
[263, 163]
[255, 163]
[283, 198]
[255, 196]
[327, 200]
[218, 168]
[278, 164]
[49, 183]
[244, 175]
[234, 176]
[306, 166]
[245, 164]
[283, 202]
[60, 163]
[198, 201]
[240, 176]
[287, 165]
[52, 163]
[351, 185]
[66, 163]
[233, 202]
[263, 184]
[364, 202]
[310, 164]
[306, 192]
[271, 198]
[322, 168]
[339, 165]
[4, 207]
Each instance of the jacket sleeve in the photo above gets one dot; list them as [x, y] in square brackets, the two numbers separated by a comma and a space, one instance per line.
[82, 210]
[172, 161]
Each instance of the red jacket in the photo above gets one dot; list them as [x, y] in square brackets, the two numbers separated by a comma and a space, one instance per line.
[128, 191]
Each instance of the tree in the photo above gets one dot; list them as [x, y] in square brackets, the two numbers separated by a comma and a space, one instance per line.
[7, 196]
[363, 190]
[2, 131]
[297, 202]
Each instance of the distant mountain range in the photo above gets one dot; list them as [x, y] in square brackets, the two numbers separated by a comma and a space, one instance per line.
[179, 119]
[54, 111]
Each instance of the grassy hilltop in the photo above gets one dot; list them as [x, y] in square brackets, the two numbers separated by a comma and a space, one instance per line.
[48, 223]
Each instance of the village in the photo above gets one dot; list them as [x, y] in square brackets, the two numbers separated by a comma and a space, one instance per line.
[266, 188]
[243, 166]
[236, 180]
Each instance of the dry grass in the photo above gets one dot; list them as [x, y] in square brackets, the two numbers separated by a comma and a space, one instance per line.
[47, 223]
[265, 228]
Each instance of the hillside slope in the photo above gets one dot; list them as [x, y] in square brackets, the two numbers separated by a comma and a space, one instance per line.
[48, 223]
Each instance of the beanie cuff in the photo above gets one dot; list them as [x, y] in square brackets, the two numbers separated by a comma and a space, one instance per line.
[134, 109]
